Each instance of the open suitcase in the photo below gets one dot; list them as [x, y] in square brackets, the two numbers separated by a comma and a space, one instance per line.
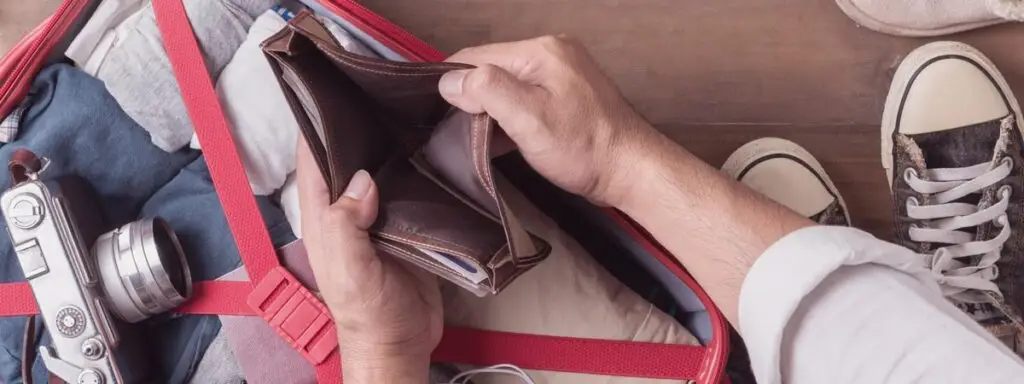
[607, 234]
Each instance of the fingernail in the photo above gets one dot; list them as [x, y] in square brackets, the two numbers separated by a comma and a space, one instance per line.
[358, 186]
[451, 83]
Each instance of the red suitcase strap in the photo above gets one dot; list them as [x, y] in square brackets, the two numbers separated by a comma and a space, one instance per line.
[291, 314]
[459, 345]
[299, 317]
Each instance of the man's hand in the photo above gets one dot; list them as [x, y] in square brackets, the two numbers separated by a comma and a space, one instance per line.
[575, 129]
[388, 314]
[567, 118]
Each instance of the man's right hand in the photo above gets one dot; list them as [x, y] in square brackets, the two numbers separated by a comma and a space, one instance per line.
[567, 118]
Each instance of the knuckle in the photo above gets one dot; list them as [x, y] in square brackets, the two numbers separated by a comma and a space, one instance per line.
[569, 42]
[469, 51]
[561, 48]
[552, 44]
[481, 78]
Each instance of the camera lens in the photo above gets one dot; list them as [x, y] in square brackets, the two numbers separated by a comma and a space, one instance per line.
[142, 269]
[172, 258]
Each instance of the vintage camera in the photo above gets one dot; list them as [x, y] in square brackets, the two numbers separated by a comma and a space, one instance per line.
[88, 298]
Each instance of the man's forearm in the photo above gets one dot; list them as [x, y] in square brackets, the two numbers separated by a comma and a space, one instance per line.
[715, 226]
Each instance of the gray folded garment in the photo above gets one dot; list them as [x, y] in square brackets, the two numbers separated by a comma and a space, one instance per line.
[218, 365]
[138, 74]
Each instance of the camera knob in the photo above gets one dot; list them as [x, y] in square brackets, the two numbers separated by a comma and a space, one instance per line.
[90, 376]
[25, 211]
[92, 349]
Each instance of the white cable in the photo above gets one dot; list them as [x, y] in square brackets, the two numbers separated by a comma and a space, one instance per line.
[506, 369]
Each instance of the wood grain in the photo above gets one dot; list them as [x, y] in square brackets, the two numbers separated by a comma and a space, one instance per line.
[715, 74]
[710, 74]
[18, 17]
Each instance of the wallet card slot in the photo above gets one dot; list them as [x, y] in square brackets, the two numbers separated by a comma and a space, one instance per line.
[428, 171]
[460, 152]
[417, 212]
[454, 151]
[364, 142]
[416, 257]
[407, 91]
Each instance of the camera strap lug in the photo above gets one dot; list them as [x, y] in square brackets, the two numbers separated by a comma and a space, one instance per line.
[295, 314]
[24, 165]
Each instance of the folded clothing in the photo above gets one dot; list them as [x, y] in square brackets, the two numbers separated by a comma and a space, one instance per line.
[290, 204]
[218, 365]
[569, 294]
[264, 128]
[265, 131]
[10, 124]
[97, 34]
[80, 128]
[138, 73]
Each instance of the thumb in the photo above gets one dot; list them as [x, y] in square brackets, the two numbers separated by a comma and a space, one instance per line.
[493, 90]
[344, 240]
[357, 207]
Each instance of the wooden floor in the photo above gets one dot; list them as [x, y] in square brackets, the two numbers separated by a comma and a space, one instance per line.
[716, 74]
[710, 74]
[18, 17]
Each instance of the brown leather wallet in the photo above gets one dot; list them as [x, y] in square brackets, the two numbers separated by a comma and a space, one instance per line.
[441, 204]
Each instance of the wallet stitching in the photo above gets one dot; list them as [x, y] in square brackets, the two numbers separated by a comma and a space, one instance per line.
[417, 162]
[366, 63]
[495, 256]
[415, 259]
[460, 251]
[398, 65]
[328, 48]
[474, 145]
[486, 145]
[359, 66]
[428, 264]
[516, 272]
[480, 140]
[480, 264]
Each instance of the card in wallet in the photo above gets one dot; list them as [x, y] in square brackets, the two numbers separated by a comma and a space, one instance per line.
[441, 205]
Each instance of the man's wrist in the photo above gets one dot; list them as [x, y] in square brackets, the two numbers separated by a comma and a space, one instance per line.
[384, 365]
[637, 165]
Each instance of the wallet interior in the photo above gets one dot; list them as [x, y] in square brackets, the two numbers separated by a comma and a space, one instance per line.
[440, 200]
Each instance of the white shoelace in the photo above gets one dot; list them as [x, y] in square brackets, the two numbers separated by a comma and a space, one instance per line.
[965, 268]
[1008, 9]
[506, 369]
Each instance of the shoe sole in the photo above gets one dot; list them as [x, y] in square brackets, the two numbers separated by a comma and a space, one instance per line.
[863, 19]
[758, 149]
[906, 72]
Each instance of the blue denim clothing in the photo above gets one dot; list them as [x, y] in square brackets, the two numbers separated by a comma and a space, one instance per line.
[79, 127]
[189, 204]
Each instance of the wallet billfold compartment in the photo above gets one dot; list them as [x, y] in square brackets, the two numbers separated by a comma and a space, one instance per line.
[441, 205]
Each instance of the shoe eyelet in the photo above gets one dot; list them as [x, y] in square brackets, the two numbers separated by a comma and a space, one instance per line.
[1005, 191]
[995, 271]
[1001, 220]
[1008, 161]
[909, 173]
[912, 201]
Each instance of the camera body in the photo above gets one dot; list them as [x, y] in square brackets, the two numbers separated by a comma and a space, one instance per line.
[89, 286]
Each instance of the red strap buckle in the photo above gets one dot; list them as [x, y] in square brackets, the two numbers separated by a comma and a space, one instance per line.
[295, 314]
